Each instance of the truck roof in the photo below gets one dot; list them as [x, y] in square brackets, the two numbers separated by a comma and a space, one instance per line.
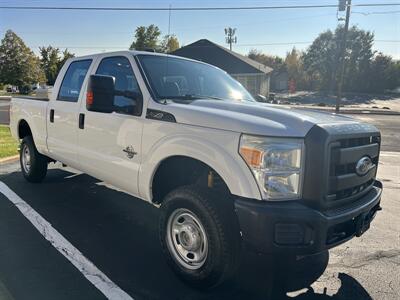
[131, 52]
[134, 53]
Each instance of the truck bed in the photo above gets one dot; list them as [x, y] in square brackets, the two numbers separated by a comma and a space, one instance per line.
[33, 111]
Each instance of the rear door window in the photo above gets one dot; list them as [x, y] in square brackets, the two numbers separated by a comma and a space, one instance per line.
[73, 80]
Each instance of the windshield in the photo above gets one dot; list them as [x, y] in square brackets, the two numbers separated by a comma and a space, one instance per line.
[180, 79]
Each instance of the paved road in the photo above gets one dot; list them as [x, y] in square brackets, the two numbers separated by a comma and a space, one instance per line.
[389, 126]
[118, 233]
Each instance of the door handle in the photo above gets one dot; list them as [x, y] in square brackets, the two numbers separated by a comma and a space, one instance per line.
[81, 121]
[51, 115]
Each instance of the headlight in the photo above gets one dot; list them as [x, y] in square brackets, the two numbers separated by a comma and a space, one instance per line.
[277, 165]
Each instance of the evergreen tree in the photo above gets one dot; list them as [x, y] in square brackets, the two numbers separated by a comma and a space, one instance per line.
[19, 66]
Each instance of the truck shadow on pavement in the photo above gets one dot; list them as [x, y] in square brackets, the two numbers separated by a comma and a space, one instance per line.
[349, 289]
[118, 233]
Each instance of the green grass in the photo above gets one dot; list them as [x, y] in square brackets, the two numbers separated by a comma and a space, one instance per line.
[8, 146]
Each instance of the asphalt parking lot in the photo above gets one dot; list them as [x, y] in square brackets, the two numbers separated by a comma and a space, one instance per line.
[118, 233]
[115, 231]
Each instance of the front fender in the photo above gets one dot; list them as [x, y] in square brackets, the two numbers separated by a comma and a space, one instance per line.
[223, 157]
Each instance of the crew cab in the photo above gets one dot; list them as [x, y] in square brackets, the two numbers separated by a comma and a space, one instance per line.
[225, 171]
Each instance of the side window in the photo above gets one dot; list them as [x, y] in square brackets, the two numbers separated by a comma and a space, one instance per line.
[73, 80]
[120, 68]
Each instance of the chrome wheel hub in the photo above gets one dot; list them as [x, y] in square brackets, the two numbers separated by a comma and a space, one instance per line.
[26, 158]
[187, 239]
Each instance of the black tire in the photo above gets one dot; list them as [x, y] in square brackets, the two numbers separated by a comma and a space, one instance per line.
[38, 163]
[217, 216]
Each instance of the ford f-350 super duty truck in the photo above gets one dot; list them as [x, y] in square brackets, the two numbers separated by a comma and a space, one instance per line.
[224, 170]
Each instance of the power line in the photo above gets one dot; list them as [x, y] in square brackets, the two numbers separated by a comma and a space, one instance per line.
[191, 8]
[387, 41]
[242, 45]
[376, 12]
[375, 4]
[180, 29]
[164, 8]
[275, 44]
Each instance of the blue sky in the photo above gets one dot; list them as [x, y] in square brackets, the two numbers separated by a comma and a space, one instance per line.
[85, 32]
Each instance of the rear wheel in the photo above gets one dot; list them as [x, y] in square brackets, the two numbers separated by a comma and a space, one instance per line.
[199, 236]
[33, 164]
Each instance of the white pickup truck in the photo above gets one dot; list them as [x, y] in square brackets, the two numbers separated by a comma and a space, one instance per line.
[224, 170]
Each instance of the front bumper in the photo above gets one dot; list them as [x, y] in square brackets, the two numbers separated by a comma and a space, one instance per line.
[291, 227]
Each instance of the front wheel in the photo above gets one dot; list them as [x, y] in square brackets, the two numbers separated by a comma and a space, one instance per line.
[199, 236]
[33, 164]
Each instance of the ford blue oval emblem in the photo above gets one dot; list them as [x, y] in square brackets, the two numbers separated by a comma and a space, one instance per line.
[364, 165]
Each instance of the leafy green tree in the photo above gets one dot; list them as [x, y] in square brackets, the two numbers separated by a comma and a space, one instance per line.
[146, 37]
[295, 68]
[50, 62]
[358, 58]
[274, 62]
[169, 44]
[321, 59]
[18, 64]
[384, 73]
[65, 56]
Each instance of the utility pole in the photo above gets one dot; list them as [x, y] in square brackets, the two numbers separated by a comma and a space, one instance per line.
[347, 3]
[230, 36]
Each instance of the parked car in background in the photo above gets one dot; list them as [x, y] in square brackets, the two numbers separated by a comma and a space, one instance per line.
[12, 89]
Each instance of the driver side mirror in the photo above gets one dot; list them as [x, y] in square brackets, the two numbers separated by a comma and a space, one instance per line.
[100, 93]
[100, 96]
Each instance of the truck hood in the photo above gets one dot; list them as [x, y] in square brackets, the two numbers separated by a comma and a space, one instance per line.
[253, 118]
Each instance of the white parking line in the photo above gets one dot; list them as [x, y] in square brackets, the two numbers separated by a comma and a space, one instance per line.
[85, 266]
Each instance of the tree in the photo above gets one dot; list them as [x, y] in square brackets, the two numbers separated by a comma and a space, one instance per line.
[169, 43]
[295, 68]
[146, 37]
[384, 73]
[358, 58]
[18, 64]
[321, 59]
[274, 62]
[66, 55]
[52, 62]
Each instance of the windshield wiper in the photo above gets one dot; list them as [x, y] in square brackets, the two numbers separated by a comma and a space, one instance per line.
[190, 97]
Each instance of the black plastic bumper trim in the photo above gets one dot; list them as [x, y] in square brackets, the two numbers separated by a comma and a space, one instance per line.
[262, 224]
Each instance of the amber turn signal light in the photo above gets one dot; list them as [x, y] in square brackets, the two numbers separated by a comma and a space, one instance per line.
[252, 156]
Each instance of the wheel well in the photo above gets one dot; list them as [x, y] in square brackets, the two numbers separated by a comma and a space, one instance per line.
[24, 129]
[181, 170]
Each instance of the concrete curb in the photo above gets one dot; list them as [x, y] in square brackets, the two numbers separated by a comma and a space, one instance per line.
[5, 98]
[9, 159]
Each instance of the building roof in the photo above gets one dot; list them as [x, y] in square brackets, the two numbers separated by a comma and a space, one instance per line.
[230, 61]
